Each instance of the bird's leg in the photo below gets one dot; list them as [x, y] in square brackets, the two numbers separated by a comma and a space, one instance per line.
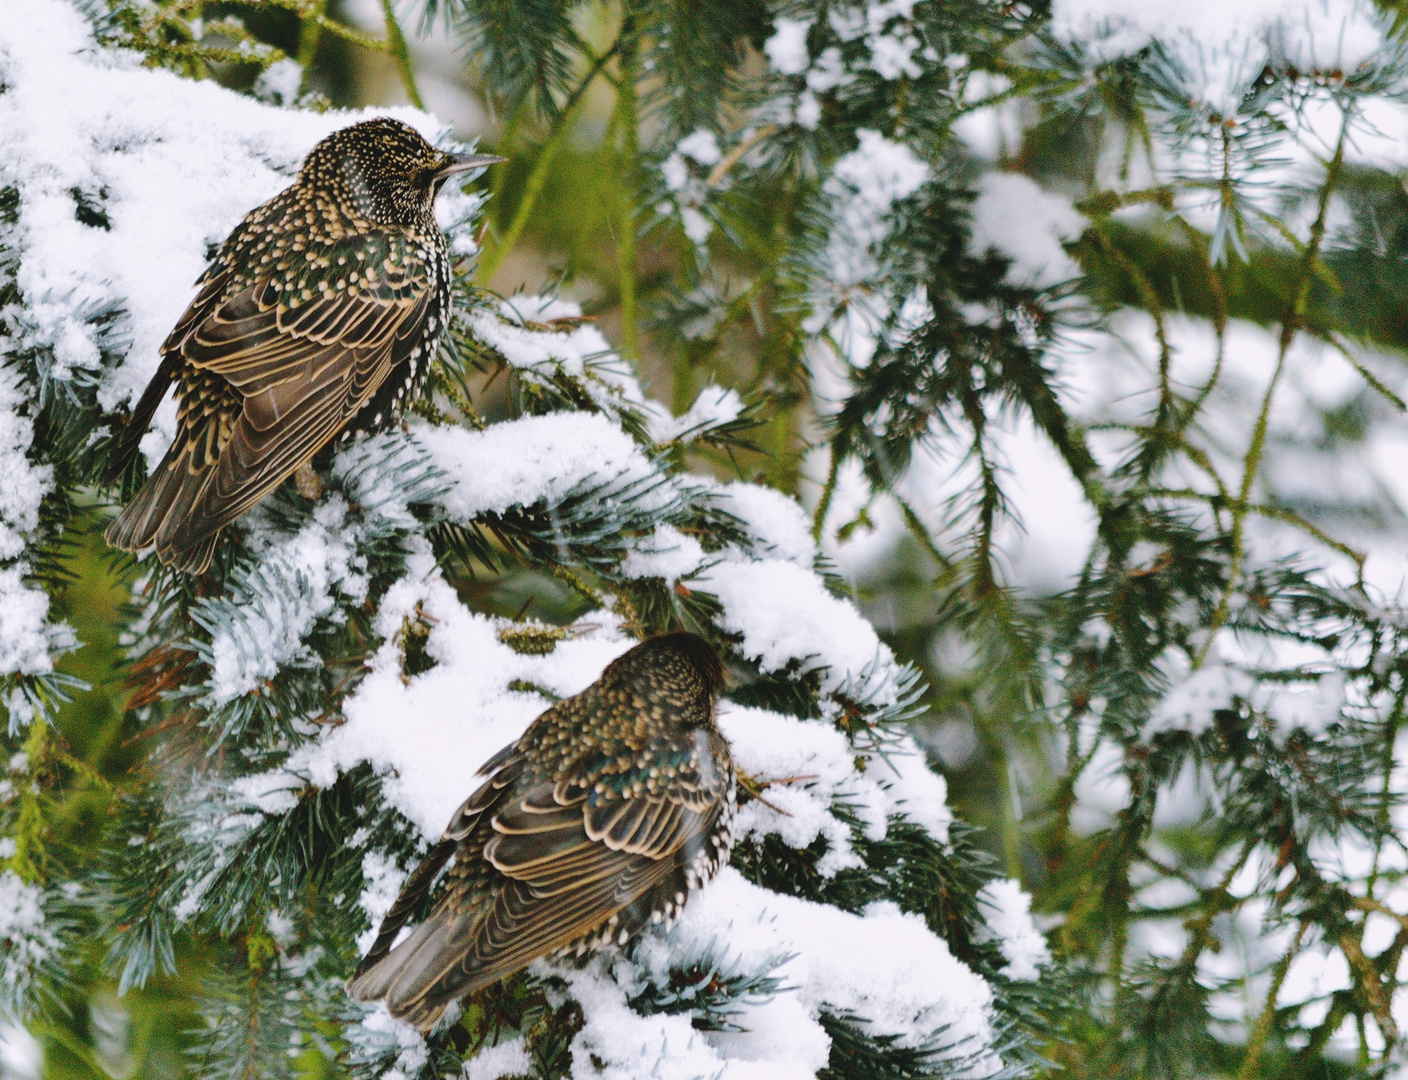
[307, 482]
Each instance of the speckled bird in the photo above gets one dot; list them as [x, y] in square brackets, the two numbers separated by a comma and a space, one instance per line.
[597, 823]
[319, 317]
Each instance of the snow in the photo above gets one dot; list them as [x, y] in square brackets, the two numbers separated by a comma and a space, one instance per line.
[884, 965]
[667, 553]
[280, 81]
[1226, 44]
[536, 333]
[628, 1045]
[21, 1056]
[787, 48]
[808, 767]
[1189, 705]
[25, 635]
[256, 630]
[819, 764]
[784, 613]
[712, 408]
[515, 330]
[383, 884]
[1028, 225]
[864, 186]
[702, 146]
[22, 483]
[25, 940]
[538, 457]
[1008, 911]
[509, 1058]
[778, 525]
[174, 164]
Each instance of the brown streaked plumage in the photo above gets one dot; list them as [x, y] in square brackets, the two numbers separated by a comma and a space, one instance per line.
[599, 821]
[318, 317]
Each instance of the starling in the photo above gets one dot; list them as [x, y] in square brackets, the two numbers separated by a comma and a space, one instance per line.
[596, 823]
[318, 318]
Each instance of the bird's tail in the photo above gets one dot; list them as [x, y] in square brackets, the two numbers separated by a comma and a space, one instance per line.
[154, 516]
[421, 976]
[124, 451]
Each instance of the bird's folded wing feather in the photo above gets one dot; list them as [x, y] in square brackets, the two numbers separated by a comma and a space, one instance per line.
[504, 769]
[569, 867]
[303, 373]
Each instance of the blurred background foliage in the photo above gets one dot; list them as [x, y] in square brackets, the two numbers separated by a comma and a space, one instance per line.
[572, 212]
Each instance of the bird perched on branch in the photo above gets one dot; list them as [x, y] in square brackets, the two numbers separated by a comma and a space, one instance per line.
[319, 317]
[598, 822]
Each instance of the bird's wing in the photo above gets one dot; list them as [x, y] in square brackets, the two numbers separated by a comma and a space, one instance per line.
[301, 373]
[567, 868]
[125, 450]
[504, 769]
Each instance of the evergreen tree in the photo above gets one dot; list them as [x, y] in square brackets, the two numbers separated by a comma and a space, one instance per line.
[886, 256]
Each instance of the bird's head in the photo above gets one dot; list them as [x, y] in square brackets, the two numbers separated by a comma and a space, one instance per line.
[385, 170]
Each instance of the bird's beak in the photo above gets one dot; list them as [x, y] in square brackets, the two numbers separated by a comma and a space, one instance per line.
[464, 162]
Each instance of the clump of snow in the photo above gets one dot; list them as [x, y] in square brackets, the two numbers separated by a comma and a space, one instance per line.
[688, 186]
[380, 1031]
[256, 628]
[1008, 912]
[279, 82]
[883, 965]
[21, 1055]
[1027, 224]
[25, 939]
[702, 146]
[864, 186]
[787, 48]
[778, 525]
[26, 636]
[537, 333]
[1189, 704]
[516, 329]
[667, 553]
[916, 791]
[1312, 703]
[808, 765]
[628, 1045]
[508, 1058]
[538, 457]
[714, 407]
[22, 483]
[784, 613]
[809, 768]
[382, 880]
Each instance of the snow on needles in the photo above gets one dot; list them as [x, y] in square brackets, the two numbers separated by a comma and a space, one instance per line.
[25, 940]
[538, 334]
[173, 165]
[1027, 224]
[864, 187]
[1227, 44]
